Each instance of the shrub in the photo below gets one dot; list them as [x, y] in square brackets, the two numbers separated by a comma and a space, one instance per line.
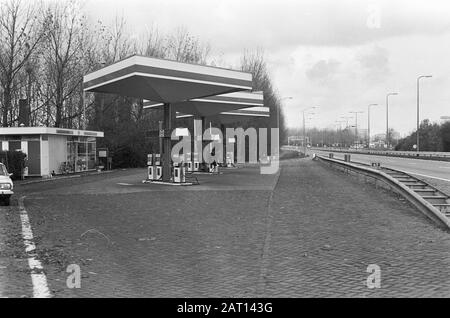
[14, 162]
[128, 157]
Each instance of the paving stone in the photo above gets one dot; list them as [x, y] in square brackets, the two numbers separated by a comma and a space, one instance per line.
[237, 235]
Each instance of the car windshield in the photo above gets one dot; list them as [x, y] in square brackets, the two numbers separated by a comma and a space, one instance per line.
[3, 171]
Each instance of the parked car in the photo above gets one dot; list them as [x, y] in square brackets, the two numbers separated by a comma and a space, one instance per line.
[6, 185]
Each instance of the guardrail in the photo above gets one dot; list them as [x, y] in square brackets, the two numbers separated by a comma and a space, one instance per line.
[415, 199]
[439, 156]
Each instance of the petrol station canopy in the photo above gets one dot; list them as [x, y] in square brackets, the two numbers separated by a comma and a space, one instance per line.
[236, 103]
[249, 112]
[165, 81]
[258, 112]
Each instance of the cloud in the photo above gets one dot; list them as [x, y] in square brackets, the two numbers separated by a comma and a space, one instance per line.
[233, 25]
[322, 52]
[374, 63]
[323, 70]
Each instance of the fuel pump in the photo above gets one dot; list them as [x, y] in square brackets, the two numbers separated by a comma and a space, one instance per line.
[196, 163]
[179, 171]
[158, 166]
[230, 159]
[190, 165]
[151, 168]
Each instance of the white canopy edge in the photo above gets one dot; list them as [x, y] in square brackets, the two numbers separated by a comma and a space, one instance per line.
[169, 65]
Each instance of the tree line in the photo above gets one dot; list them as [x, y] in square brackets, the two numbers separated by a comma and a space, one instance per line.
[432, 137]
[46, 47]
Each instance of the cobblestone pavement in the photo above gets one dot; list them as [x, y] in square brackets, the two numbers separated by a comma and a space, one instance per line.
[314, 235]
[14, 277]
[327, 228]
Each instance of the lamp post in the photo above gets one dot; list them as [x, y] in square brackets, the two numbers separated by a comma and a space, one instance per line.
[278, 109]
[304, 127]
[339, 123]
[418, 110]
[368, 124]
[346, 118]
[387, 117]
[278, 120]
[356, 127]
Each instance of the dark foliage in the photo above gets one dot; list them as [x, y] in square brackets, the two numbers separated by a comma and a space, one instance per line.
[432, 136]
[14, 162]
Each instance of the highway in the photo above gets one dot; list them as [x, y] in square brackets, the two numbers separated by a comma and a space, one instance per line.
[439, 170]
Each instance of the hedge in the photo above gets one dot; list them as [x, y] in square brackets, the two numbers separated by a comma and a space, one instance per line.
[14, 162]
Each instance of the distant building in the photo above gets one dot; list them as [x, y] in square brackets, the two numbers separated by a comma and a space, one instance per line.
[445, 119]
[379, 137]
[395, 135]
[297, 141]
[362, 133]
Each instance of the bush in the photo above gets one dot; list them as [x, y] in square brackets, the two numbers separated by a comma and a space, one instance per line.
[288, 154]
[128, 157]
[14, 162]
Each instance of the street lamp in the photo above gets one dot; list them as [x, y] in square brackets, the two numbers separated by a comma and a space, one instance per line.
[368, 124]
[278, 115]
[418, 110]
[279, 106]
[340, 122]
[387, 117]
[304, 127]
[346, 119]
[356, 127]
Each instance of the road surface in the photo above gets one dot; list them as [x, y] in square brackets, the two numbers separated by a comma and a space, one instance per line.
[438, 170]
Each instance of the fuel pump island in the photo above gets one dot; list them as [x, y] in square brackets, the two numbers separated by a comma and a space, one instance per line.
[222, 107]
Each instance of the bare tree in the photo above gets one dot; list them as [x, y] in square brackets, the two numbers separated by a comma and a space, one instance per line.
[116, 42]
[63, 58]
[151, 44]
[254, 63]
[21, 33]
[184, 47]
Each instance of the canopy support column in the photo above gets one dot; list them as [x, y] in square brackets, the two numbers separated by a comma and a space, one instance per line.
[169, 115]
[225, 141]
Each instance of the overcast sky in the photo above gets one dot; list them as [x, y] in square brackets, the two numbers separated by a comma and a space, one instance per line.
[339, 55]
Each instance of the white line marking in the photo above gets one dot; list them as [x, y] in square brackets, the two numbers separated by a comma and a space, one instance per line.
[38, 278]
[124, 184]
[2, 268]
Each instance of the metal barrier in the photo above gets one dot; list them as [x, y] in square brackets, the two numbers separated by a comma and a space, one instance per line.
[421, 204]
[441, 156]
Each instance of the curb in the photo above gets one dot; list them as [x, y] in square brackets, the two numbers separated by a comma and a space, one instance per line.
[63, 178]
